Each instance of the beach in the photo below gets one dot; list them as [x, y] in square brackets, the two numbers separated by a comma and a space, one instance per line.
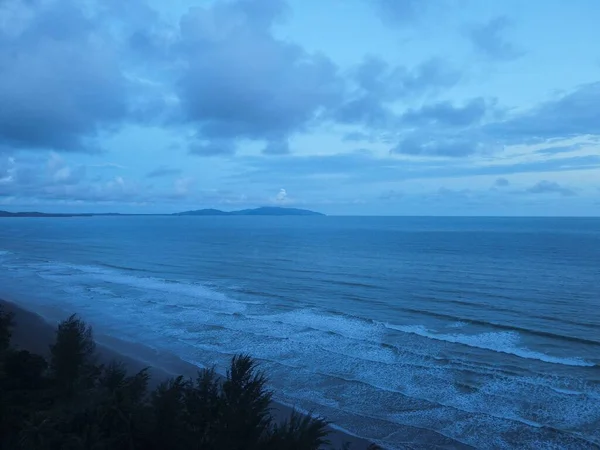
[35, 334]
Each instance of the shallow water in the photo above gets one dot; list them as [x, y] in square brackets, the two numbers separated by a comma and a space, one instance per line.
[482, 330]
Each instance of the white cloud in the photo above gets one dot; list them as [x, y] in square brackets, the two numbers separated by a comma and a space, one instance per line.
[282, 197]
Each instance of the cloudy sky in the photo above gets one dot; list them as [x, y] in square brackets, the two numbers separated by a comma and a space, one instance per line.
[436, 107]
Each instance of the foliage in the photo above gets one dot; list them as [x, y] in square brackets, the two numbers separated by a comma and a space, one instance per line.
[6, 324]
[72, 355]
[74, 403]
[300, 432]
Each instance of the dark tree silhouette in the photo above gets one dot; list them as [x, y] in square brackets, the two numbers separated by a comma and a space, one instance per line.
[300, 432]
[120, 406]
[203, 405]
[246, 403]
[72, 403]
[168, 414]
[25, 370]
[73, 356]
[6, 325]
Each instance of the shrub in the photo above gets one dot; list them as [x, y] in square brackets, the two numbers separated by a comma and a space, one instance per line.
[6, 325]
[73, 356]
[73, 403]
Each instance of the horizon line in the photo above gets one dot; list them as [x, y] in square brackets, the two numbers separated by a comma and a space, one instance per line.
[179, 214]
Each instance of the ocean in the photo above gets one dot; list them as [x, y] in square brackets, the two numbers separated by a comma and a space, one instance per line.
[475, 331]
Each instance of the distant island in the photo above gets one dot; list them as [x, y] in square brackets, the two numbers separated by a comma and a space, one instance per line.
[264, 211]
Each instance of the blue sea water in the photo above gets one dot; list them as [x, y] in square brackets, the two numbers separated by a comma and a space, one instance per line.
[482, 331]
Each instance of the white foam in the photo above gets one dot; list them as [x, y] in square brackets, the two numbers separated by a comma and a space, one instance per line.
[332, 356]
[204, 297]
[501, 342]
[101, 291]
[351, 327]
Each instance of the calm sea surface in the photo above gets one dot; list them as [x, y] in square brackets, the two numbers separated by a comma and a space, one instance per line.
[483, 331]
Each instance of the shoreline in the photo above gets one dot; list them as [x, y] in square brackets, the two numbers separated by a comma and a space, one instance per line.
[35, 333]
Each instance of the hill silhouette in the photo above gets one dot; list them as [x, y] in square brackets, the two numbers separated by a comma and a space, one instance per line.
[264, 211]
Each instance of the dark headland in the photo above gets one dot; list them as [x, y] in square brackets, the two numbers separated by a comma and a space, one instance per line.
[263, 211]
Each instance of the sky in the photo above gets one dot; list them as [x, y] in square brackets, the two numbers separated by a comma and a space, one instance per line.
[348, 107]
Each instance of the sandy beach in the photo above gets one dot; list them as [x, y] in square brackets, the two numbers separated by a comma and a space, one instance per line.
[34, 333]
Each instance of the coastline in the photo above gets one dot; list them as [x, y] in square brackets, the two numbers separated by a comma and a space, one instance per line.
[34, 333]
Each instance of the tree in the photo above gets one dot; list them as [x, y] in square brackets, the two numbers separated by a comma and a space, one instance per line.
[25, 370]
[299, 432]
[121, 404]
[203, 405]
[246, 404]
[38, 432]
[21, 392]
[79, 405]
[73, 356]
[6, 325]
[168, 415]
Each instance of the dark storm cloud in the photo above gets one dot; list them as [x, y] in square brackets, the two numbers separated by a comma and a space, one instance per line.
[442, 129]
[377, 85]
[387, 82]
[62, 82]
[489, 39]
[501, 182]
[366, 110]
[59, 80]
[569, 115]
[240, 82]
[550, 187]
[487, 129]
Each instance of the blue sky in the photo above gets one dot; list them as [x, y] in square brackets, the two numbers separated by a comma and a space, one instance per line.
[409, 107]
